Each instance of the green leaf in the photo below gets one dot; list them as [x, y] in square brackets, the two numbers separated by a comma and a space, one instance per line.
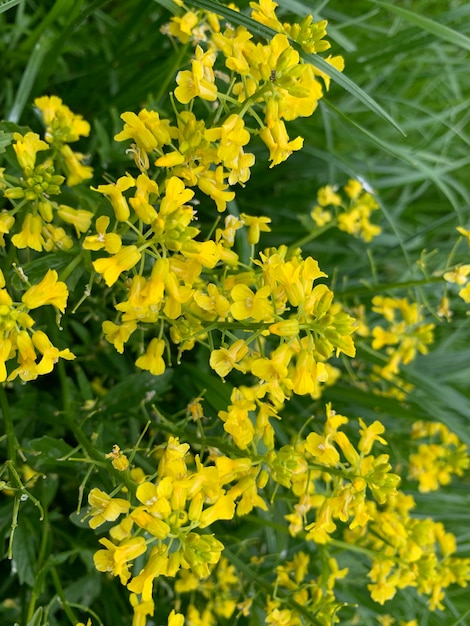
[5, 140]
[24, 551]
[36, 620]
[134, 390]
[30, 73]
[59, 261]
[435, 28]
[48, 451]
[9, 4]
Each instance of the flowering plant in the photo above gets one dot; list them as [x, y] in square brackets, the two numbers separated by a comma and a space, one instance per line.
[205, 358]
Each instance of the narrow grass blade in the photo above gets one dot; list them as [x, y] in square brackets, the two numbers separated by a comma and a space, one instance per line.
[4, 6]
[27, 80]
[435, 28]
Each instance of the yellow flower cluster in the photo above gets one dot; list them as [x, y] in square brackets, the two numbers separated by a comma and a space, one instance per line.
[352, 210]
[34, 212]
[439, 455]
[404, 335]
[163, 521]
[173, 280]
[31, 348]
[272, 78]
[408, 552]
[317, 595]
[332, 477]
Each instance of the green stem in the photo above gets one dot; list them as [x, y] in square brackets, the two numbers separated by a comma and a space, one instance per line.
[63, 600]
[39, 564]
[12, 442]
[373, 289]
[74, 263]
[312, 235]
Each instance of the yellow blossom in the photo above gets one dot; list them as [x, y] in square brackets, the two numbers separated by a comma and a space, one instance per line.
[26, 148]
[115, 558]
[248, 304]
[152, 359]
[50, 354]
[114, 192]
[49, 291]
[277, 141]
[118, 334]
[104, 508]
[111, 242]
[112, 267]
[200, 80]
[80, 219]
[30, 235]
[225, 359]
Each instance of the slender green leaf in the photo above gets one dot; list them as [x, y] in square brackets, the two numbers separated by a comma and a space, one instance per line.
[28, 79]
[24, 550]
[9, 4]
[435, 28]
[36, 620]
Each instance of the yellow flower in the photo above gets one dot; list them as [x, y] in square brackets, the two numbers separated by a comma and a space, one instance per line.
[182, 26]
[146, 188]
[5, 348]
[256, 225]
[213, 184]
[277, 141]
[119, 459]
[152, 359]
[146, 129]
[465, 232]
[370, 434]
[248, 304]
[464, 293]
[224, 508]
[320, 216]
[30, 235]
[104, 508]
[49, 291]
[200, 81]
[213, 301]
[327, 196]
[26, 148]
[458, 275]
[115, 558]
[111, 242]
[176, 195]
[117, 334]
[73, 162]
[112, 267]
[175, 619]
[156, 566]
[113, 192]
[6, 223]
[62, 125]
[322, 450]
[141, 610]
[238, 424]
[78, 217]
[50, 353]
[225, 359]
